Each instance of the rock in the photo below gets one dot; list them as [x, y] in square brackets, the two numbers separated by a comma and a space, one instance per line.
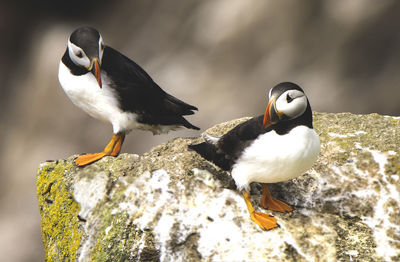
[171, 205]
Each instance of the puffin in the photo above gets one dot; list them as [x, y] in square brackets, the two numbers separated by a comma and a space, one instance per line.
[277, 146]
[112, 88]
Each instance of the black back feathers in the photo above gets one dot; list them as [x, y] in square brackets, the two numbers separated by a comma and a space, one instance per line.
[138, 93]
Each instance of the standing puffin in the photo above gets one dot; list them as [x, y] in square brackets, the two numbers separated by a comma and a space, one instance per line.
[274, 147]
[110, 87]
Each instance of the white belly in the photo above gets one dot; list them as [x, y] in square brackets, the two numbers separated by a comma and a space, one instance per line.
[274, 158]
[100, 103]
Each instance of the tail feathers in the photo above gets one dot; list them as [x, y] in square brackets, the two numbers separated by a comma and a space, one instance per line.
[209, 152]
[178, 106]
[189, 125]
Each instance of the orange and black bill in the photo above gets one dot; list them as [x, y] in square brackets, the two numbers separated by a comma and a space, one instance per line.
[95, 69]
[271, 115]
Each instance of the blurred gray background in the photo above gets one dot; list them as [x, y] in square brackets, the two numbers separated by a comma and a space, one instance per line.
[222, 56]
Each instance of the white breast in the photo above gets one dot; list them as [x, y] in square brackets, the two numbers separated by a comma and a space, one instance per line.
[100, 103]
[274, 158]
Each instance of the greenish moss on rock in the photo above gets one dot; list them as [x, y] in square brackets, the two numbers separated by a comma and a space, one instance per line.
[59, 223]
[171, 205]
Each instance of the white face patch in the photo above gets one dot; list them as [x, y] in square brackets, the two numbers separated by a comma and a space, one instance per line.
[101, 49]
[269, 94]
[292, 103]
[77, 55]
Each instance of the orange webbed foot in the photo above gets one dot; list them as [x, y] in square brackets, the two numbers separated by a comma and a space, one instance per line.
[267, 201]
[276, 205]
[87, 159]
[113, 148]
[265, 221]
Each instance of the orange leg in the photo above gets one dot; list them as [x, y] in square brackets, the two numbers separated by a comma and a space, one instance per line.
[118, 145]
[267, 201]
[265, 221]
[113, 148]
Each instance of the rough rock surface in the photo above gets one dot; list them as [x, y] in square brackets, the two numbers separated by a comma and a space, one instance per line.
[171, 205]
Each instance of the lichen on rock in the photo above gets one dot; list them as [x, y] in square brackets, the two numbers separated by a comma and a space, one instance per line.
[171, 205]
[59, 212]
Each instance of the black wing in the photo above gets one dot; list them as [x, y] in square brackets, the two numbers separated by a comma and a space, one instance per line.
[138, 92]
[236, 140]
[210, 152]
[231, 145]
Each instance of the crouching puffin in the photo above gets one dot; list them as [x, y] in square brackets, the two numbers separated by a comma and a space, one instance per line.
[274, 147]
[110, 87]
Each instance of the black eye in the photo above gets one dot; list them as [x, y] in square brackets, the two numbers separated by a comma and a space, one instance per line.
[79, 54]
[288, 98]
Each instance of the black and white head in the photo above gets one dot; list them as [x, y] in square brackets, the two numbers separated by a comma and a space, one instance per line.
[287, 101]
[86, 47]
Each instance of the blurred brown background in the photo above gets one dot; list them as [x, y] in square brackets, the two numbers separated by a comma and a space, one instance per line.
[222, 56]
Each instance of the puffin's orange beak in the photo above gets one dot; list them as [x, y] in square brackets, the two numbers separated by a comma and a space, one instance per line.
[95, 69]
[271, 115]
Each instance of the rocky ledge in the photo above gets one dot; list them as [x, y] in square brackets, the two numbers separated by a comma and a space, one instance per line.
[171, 205]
